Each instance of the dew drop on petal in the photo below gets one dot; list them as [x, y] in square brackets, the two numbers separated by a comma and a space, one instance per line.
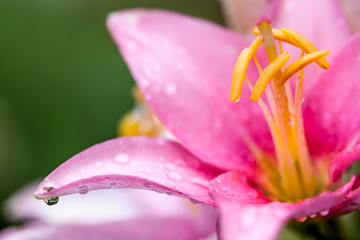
[169, 193]
[149, 171]
[170, 166]
[147, 185]
[301, 219]
[121, 158]
[51, 201]
[354, 205]
[170, 89]
[83, 190]
[98, 164]
[313, 215]
[324, 212]
[175, 176]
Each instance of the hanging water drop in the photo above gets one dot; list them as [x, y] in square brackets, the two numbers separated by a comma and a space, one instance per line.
[83, 190]
[51, 201]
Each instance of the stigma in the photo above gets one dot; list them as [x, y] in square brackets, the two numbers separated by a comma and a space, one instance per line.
[290, 173]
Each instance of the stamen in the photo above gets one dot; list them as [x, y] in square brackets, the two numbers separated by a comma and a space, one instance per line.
[305, 45]
[300, 64]
[241, 67]
[268, 74]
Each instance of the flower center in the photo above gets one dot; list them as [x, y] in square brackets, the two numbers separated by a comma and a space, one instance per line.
[289, 175]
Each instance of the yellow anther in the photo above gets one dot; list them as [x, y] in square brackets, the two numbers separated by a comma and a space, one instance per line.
[300, 64]
[305, 45]
[268, 73]
[241, 67]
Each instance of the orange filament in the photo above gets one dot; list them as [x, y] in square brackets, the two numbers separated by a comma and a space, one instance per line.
[289, 173]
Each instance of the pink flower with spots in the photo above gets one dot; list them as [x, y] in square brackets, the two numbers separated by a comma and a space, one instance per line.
[258, 171]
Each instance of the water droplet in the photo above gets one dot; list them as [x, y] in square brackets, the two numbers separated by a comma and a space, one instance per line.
[354, 205]
[48, 186]
[98, 164]
[147, 185]
[196, 202]
[292, 121]
[170, 166]
[170, 89]
[113, 185]
[51, 201]
[324, 212]
[148, 72]
[175, 176]
[169, 193]
[313, 215]
[149, 171]
[121, 158]
[82, 170]
[301, 219]
[83, 190]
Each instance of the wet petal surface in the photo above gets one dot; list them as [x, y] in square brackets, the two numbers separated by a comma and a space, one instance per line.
[133, 162]
[185, 74]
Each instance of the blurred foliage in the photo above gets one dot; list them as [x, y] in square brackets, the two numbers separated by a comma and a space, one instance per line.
[63, 84]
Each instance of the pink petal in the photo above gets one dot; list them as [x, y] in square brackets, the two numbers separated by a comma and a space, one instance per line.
[352, 202]
[246, 214]
[111, 206]
[342, 161]
[139, 229]
[330, 109]
[133, 162]
[184, 66]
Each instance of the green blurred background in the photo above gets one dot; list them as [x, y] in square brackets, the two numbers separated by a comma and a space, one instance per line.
[63, 84]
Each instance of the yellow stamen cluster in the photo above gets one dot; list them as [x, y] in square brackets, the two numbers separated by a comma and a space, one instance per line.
[290, 173]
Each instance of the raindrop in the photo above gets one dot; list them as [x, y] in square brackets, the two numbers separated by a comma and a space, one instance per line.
[82, 170]
[51, 201]
[149, 171]
[301, 219]
[354, 205]
[196, 202]
[113, 185]
[98, 164]
[170, 89]
[313, 215]
[175, 176]
[169, 193]
[147, 185]
[170, 166]
[324, 212]
[121, 158]
[83, 190]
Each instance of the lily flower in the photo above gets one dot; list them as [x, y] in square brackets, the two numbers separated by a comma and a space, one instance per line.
[260, 163]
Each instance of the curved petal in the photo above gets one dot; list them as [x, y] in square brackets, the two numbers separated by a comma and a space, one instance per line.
[342, 161]
[132, 162]
[331, 107]
[351, 203]
[111, 206]
[243, 209]
[184, 67]
[138, 229]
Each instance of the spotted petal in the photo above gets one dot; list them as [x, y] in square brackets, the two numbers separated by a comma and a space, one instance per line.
[133, 162]
[184, 67]
[243, 208]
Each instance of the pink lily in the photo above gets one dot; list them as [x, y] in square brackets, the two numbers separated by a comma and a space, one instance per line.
[184, 66]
